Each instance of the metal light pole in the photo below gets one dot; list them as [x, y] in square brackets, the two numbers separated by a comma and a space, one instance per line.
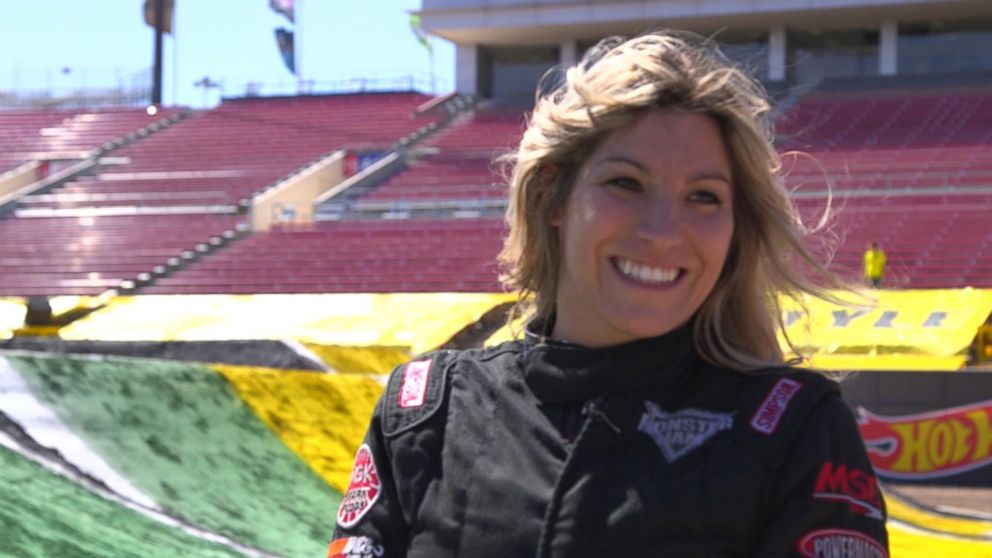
[157, 71]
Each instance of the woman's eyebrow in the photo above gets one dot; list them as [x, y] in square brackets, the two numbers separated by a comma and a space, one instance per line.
[624, 160]
[702, 175]
[712, 175]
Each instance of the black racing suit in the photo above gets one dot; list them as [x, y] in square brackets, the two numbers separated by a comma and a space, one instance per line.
[551, 450]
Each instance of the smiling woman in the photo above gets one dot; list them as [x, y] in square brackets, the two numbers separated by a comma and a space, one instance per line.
[645, 231]
[609, 95]
[648, 410]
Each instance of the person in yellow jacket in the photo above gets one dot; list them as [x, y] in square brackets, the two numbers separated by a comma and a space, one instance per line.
[874, 265]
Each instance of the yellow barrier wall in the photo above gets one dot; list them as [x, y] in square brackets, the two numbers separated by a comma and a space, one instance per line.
[418, 321]
[937, 322]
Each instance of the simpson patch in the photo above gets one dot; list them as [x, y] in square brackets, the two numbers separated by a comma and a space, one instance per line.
[770, 412]
[414, 386]
[363, 490]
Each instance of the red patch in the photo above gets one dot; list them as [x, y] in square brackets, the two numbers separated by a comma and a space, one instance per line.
[363, 490]
[414, 385]
[354, 547]
[766, 418]
[840, 543]
[850, 485]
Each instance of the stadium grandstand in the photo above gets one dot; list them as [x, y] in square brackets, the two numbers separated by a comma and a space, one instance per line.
[197, 307]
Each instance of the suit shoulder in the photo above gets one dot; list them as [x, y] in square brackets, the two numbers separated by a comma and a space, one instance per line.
[417, 389]
[774, 406]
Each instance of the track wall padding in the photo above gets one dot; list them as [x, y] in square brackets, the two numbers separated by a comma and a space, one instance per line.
[926, 427]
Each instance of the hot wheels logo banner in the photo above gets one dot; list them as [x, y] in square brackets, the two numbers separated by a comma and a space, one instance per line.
[929, 445]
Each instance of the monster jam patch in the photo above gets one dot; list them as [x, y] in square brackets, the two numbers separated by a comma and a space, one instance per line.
[678, 433]
[840, 543]
[363, 490]
[354, 547]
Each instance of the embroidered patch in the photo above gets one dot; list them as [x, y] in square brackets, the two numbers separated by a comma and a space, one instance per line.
[840, 543]
[363, 490]
[766, 418]
[354, 547]
[414, 386]
[852, 486]
[678, 433]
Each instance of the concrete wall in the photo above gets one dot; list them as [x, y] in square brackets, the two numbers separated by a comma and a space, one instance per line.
[905, 393]
[293, 200]
[472, 24]
[17, 178]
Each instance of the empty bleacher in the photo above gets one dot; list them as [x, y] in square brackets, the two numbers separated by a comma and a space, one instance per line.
[442, 255]
[416, 255]
[88, 255]
[227, 154]
[30, 135]
[460, 162]
[184, 186]
[942, 241]
[891, 141]
[910, 170]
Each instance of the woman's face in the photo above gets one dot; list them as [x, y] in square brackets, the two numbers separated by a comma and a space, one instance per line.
[645, 231]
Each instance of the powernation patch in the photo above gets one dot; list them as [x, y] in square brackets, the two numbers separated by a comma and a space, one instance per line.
[840, 543]
[363, 490]
[682, 431]
[354, 547]
[414, 386]
[766, 418]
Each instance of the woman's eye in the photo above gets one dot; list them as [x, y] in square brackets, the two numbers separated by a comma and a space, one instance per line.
[625, 183]
[706, 197]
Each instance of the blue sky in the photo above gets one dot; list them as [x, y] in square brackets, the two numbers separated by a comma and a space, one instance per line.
[60, 45]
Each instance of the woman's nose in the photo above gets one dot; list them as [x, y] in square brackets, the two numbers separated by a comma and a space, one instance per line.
[660, 222]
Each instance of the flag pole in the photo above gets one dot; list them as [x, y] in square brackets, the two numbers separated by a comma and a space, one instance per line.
[175, 61]
[157, 71]
[433, 78]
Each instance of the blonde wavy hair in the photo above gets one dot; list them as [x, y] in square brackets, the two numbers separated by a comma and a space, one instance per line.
[615, 82]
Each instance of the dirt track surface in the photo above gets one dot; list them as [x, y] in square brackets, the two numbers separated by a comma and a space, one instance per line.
[964, 499]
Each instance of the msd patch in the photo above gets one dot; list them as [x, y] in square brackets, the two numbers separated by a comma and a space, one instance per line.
[840, 543]
[354, 547]
[771, 410]
[363, 490]
[851, 486]
[678, 433]
[414, 385]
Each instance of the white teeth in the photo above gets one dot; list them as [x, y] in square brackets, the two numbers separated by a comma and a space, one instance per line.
[647, 274]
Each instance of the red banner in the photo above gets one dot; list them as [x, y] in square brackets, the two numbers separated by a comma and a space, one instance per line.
[929, 445]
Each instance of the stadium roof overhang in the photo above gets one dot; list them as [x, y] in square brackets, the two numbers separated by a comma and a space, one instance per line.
[492, 22]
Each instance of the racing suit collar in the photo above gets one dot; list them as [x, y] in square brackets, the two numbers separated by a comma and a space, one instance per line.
[560, 372]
